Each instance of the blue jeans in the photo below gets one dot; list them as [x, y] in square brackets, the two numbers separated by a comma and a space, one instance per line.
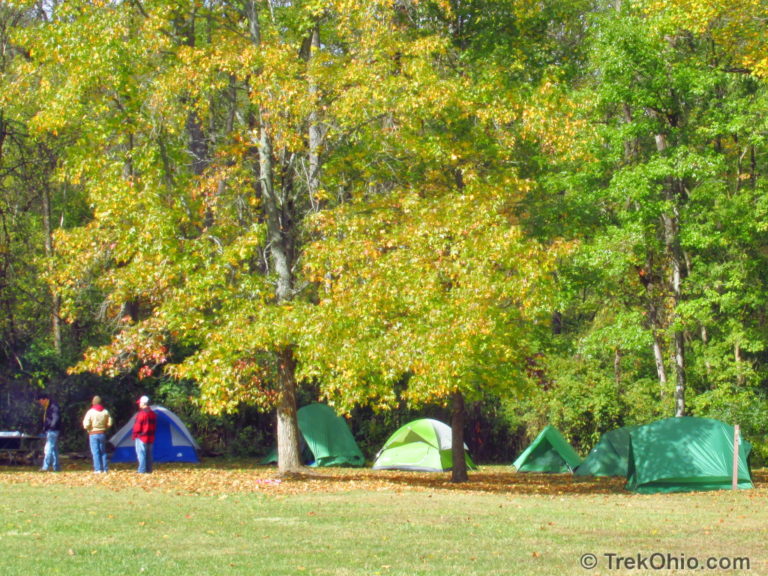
[99, 451]
[144, 456]
[51, 451]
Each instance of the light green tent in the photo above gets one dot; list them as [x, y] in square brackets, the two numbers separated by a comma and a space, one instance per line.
[328, 441]
[609, 457]
[419, 445]
[685, 454]
[549, 452]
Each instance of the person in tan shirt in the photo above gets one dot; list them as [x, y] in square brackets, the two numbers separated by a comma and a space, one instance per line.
[96, 422]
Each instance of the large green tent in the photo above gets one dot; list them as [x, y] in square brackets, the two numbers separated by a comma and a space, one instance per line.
[549, 452]
[609, 457]
[327, 438]
[685, 454]
[423, 444]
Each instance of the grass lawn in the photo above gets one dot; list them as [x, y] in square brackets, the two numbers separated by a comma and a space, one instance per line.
[219, 519]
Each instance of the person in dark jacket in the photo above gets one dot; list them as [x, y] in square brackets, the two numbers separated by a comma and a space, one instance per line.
[51, 431]
[144, 428]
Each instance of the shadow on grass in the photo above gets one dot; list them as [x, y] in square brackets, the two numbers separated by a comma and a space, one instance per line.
[223, 476]
[499, 479]
[488, 481]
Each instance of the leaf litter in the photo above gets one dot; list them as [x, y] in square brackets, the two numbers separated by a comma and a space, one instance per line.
[214, 477]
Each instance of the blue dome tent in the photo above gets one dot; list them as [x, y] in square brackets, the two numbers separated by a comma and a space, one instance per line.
[173, 441]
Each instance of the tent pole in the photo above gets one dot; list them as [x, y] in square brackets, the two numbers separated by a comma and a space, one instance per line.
[735, 482]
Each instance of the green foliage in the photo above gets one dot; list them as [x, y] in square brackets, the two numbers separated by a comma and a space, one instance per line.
[41, 364]
[527, 200]
[668, 126]
[581, 403]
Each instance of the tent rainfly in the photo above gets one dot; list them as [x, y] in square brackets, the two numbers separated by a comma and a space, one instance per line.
[173, 441]
[549, 452]
[685, 454]
[327, 439]
[422, 445]
[609, 457]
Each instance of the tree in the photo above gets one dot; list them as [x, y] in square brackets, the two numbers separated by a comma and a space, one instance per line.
[671, 118]
[206, 135]
[138, 82]
[32, 205]
[736, 26]
[429, 290]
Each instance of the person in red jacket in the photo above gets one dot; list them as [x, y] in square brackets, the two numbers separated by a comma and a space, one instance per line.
[144, 435]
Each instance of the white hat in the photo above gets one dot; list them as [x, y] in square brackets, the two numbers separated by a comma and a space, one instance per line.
[143, 400]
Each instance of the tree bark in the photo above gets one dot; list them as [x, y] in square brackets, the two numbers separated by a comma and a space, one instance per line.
[739, 359]
[673, 192]
[459, 468]
[315, 131]
[280, 243]
[279, 231]
[55, 298]
[288, 455]
[680, 374]
[197, 145]
[658, 357]
[648, 278]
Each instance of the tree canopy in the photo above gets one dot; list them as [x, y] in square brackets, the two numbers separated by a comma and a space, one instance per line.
[392, 203]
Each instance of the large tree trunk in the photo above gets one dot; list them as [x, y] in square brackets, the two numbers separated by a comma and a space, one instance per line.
[280, 241]
[281, 225]
[279, 233]
[288, 455]
[459, 469]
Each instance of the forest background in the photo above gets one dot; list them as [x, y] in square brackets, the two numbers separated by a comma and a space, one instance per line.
[505, 212]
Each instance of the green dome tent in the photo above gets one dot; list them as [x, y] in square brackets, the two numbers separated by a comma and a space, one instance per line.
[327, 438]
[685, 454]
[549, 452]
[609, 457]
[423, 445]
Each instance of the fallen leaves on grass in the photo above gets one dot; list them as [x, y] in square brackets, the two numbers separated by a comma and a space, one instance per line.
[220, 478]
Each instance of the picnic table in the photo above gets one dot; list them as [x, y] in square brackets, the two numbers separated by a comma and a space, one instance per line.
[15, 444]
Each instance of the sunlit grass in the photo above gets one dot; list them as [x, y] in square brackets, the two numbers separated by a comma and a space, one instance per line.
[239, 520]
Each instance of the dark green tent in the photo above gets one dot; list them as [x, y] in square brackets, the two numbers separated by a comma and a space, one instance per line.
[609, 457]
[549, 452]
[685, 454]
[327, 438]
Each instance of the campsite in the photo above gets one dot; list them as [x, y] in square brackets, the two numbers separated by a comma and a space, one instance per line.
[383, 287]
